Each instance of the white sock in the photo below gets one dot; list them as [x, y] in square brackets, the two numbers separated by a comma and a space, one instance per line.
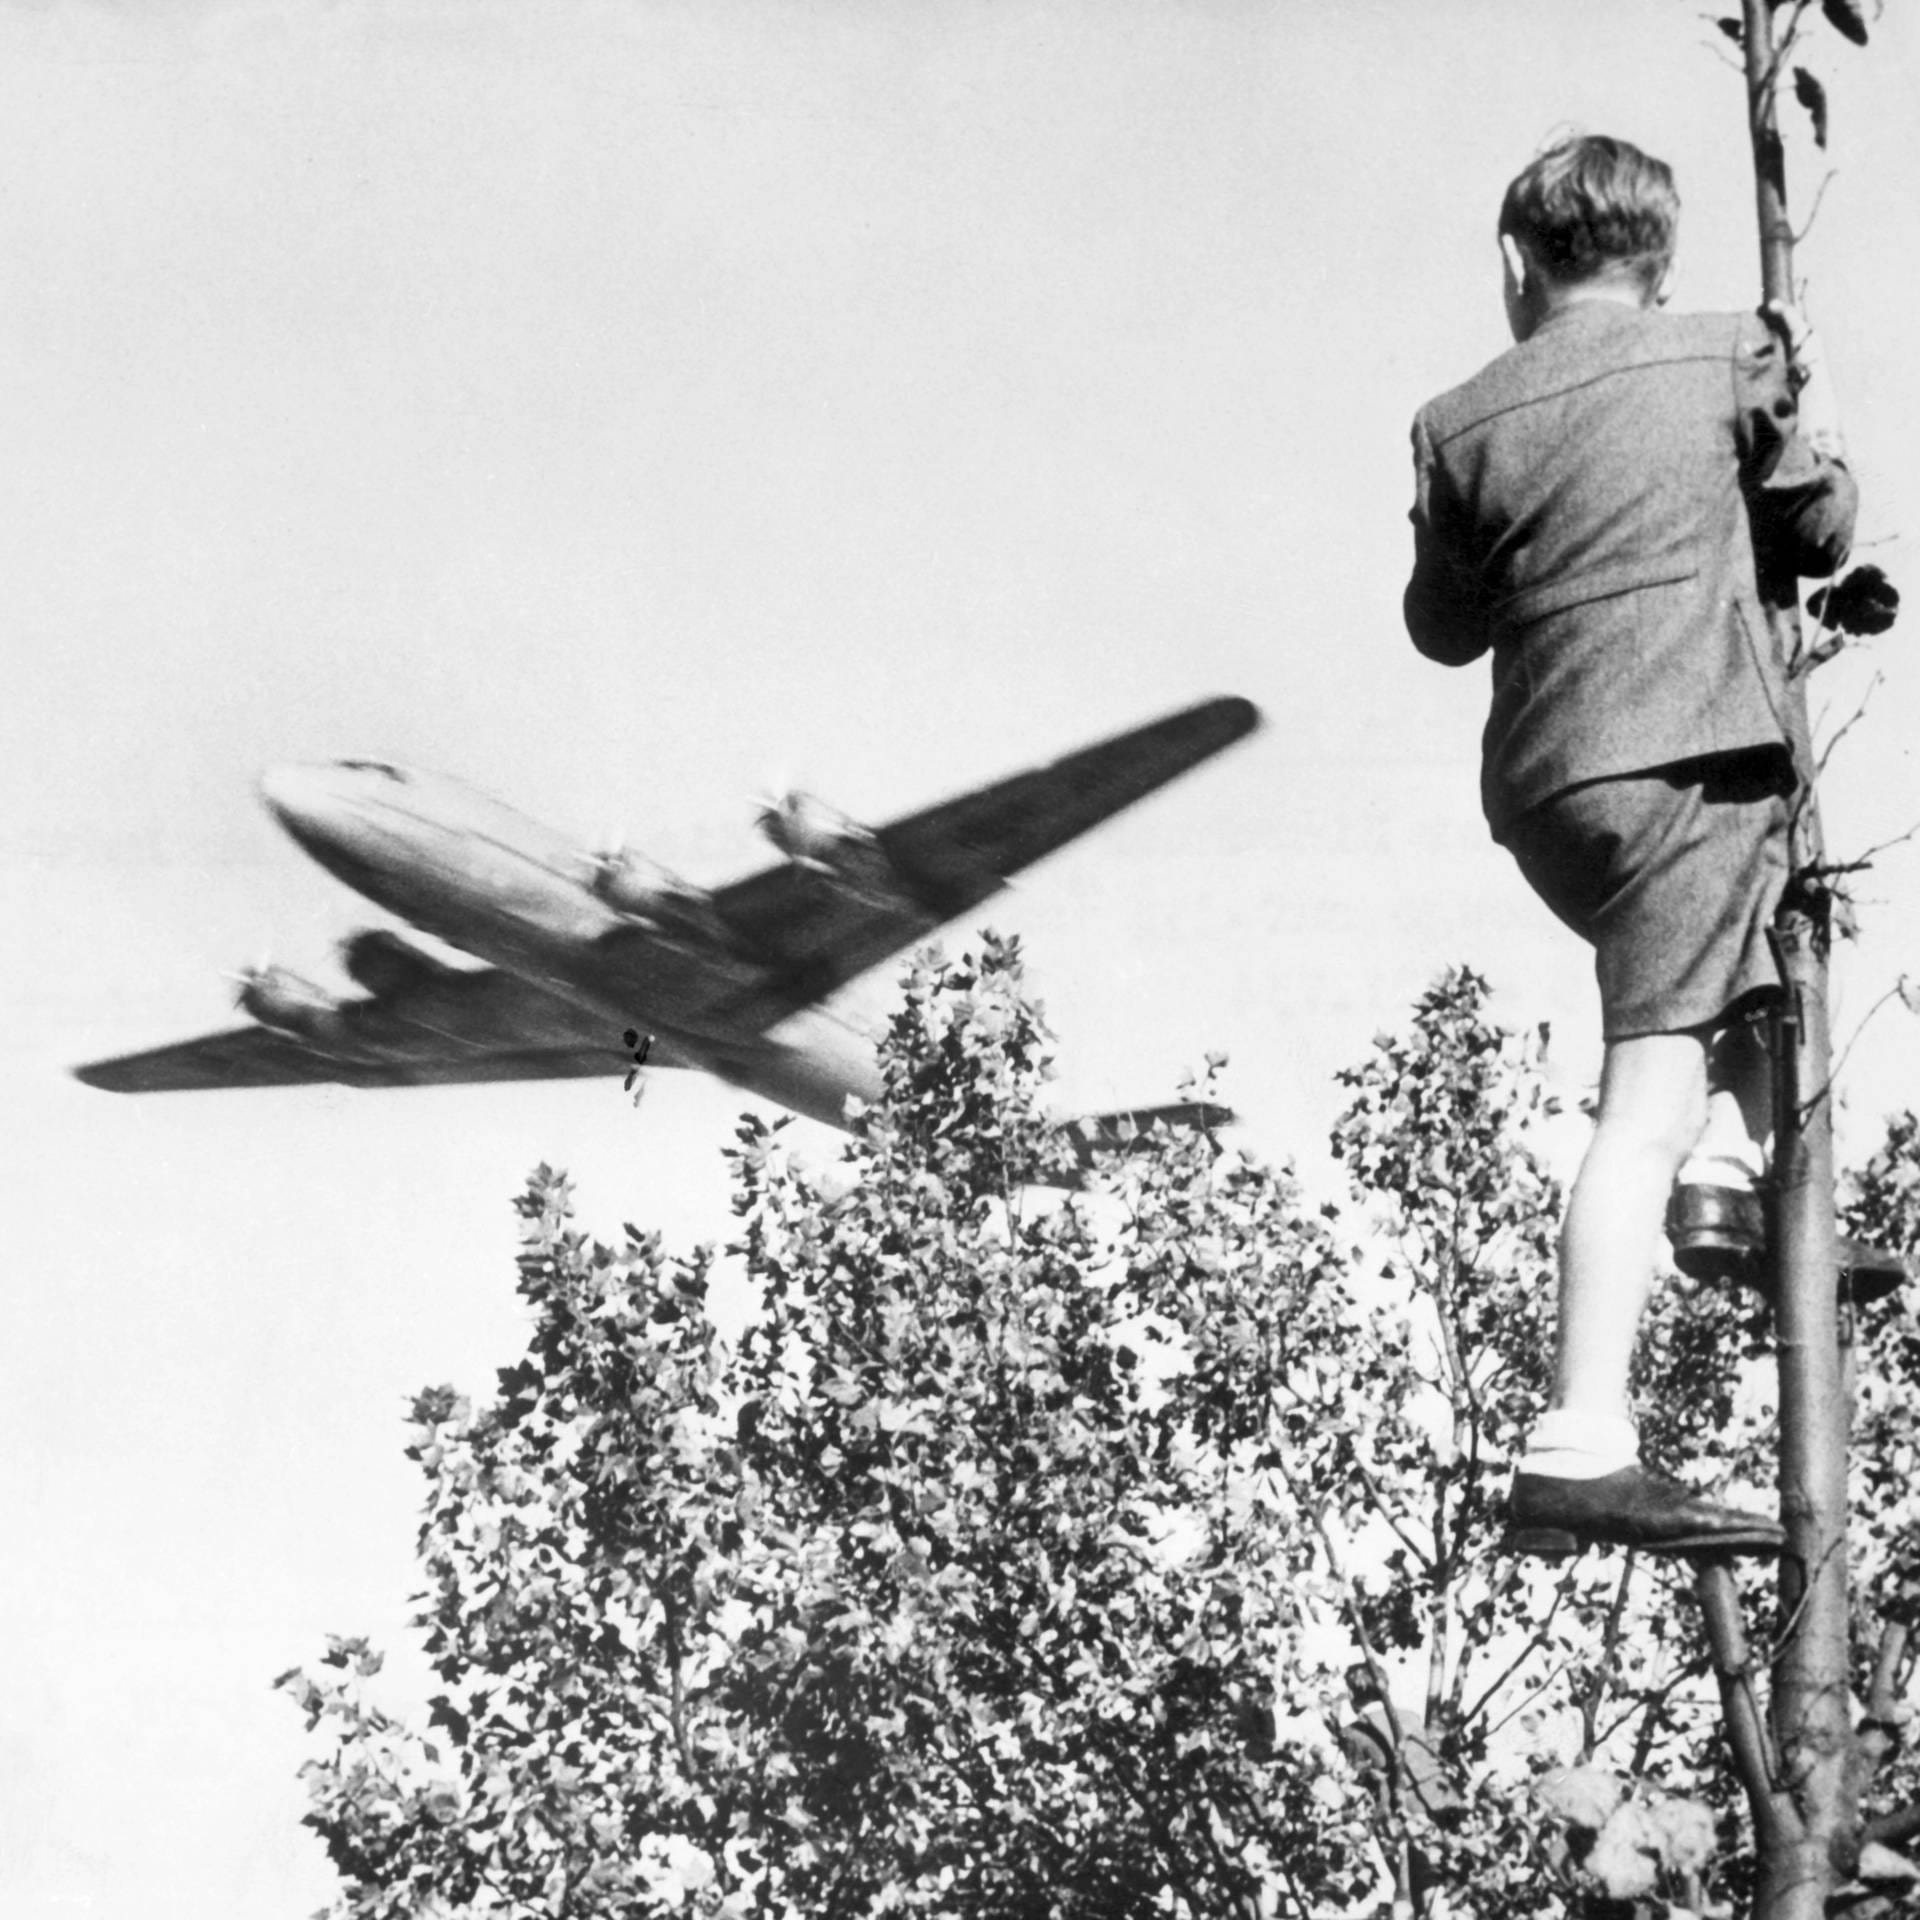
[1724, 1155]
[1580, 1446]
[1722, 1170]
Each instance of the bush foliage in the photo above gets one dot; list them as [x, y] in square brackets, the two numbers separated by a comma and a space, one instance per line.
[1029, 1559]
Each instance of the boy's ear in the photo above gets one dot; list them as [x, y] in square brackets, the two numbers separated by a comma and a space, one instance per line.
[1519, 266]
[1663, 291]
[1520, 283]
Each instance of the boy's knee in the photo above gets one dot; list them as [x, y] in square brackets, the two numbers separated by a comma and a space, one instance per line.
[1668, 1137]
[1654, 1096]
[1686, 1123]
[1689, 1125]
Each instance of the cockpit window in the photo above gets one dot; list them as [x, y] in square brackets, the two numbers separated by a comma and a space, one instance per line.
[374, 766]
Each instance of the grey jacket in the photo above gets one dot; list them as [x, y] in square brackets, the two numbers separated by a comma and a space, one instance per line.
[1618, 508]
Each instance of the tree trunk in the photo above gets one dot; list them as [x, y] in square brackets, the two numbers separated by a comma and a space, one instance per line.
[1812, 1731]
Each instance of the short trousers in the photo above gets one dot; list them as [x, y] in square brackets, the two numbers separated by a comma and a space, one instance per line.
[1673, 878]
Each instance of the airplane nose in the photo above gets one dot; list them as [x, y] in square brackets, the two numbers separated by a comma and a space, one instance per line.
[336, 812]
[299, 795]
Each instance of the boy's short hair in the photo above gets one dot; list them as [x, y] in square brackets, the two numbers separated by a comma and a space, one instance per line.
[1591, 206]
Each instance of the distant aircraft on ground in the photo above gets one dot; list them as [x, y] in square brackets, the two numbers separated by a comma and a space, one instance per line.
[583, 947]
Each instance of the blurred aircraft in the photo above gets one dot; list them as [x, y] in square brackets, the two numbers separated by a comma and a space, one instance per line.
[584, 948]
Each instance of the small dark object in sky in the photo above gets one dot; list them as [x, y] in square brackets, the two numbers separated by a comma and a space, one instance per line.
[641, 1048]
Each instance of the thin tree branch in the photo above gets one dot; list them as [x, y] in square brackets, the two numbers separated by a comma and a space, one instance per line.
[1520, 1706]
[1813, 212]
[1898, 991]
[1774, 1814]
[1785, 40]
[1864, 862]
[1791, 1625]
[1609, 1640]
[1525, 1654]
[1654, 1699]
[1852, 720]
[1421, 1554]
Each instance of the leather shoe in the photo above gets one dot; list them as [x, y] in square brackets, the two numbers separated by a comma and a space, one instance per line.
[1720, 1234]
[1717, 1233]
[1630, 1507]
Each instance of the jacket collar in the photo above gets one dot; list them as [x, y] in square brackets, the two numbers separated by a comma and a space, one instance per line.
[1588, 313]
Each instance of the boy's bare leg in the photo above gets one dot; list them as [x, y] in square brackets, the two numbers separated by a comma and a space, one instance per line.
[1653, 1105]
[1739, 1107]
[1581, 1480]
[1740, 1073]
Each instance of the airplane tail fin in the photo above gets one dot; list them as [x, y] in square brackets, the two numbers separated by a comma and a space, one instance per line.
[1122, 1130]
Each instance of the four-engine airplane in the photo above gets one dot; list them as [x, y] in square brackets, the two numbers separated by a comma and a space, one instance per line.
[582, 947]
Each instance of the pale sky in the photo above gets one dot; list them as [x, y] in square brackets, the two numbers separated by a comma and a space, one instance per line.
[626, 407]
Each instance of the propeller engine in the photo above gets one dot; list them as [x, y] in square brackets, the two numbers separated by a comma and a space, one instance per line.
[631, 883]
[811, 833]
[286, 1003]
[644, 890]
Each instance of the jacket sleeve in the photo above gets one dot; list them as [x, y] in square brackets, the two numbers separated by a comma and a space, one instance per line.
[1802, 503]
[1442, 603]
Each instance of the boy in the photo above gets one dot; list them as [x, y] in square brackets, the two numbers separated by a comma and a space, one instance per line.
[1617, 509]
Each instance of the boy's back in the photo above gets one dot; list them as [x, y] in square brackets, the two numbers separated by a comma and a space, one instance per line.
[1594, 507]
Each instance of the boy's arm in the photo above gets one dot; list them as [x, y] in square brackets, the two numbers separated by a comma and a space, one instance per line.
[1441, 605]
[1801, 497]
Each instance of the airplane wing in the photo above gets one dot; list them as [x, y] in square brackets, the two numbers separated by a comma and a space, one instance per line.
[457, 1028]
[821, 929]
